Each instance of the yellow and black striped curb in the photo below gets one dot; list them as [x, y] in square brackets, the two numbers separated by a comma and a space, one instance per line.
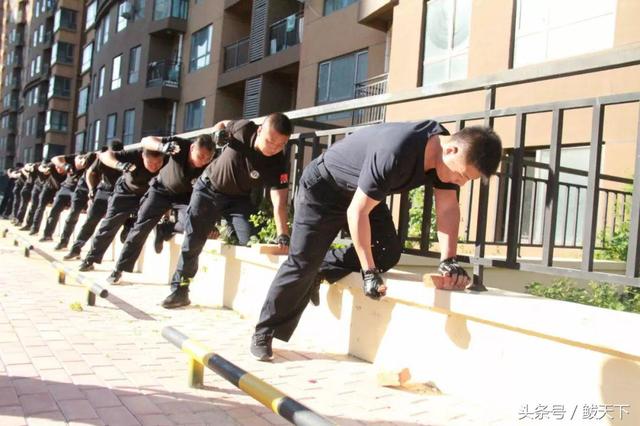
[258, 389]
[64, 272]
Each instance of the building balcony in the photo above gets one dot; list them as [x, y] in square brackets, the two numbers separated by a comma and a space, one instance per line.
[169, 15]
[285, 33]
[376, 14]
[371, 87]
[236, 54]
[163, 80]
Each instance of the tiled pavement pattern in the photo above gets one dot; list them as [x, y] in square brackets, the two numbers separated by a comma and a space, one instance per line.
[109, 364]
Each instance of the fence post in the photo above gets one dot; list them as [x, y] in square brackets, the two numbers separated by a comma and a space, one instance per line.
[513, 227]
[593, 185]
[633, 252]
[553, 182]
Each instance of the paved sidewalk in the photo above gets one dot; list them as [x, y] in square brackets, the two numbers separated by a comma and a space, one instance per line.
[109, 364]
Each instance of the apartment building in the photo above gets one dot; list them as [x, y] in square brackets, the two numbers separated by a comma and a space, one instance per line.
[40, 53]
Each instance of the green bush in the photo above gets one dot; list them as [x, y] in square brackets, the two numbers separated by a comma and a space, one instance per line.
[416, 197]
[264, 223]
[602, 295]
[616, 243]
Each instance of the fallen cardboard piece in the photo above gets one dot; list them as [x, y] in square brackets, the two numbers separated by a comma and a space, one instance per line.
[401, 378]
[393, 377]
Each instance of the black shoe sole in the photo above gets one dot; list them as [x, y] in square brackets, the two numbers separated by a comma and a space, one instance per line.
[71, 256]
[175, 305]
[263, 358]
[87, 269]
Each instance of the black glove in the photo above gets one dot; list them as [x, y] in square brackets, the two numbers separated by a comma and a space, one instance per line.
[92, 194]
[371, 283]
[68, 168]
[450, 267]
[283, 240]
[169, 148]
[125, 167]
[221, 137]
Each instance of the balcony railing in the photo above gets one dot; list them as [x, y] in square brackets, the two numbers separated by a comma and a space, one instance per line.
[285, 33]
[163, 73]
[371, 87]
[164, 9]
[236, 54]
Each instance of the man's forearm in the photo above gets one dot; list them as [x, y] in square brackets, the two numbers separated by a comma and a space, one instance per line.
[360, 229]
[280, 218]
[448, 226]
[152, 143]
[108, 159]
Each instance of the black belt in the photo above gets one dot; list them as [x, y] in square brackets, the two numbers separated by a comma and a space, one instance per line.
[326, 175]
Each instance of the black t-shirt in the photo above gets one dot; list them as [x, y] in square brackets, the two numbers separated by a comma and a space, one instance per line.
[178, 175]
[136, 181]
[55, 179]
[76, 175]
[385, 159]
[109, 176]
[41, 178]
[231, 172]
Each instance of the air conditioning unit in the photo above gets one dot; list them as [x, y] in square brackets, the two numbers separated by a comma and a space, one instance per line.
[127, 10]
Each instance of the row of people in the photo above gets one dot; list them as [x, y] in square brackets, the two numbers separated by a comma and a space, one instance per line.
[343, 188]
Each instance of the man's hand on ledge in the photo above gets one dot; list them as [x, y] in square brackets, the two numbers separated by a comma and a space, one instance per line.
[454, 277]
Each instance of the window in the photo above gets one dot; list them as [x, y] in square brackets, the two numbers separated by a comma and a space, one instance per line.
[134, 65]
[96, 134]
[36, 96]
[128, 126]
[87, 56]
[200, 49]
[446, 44]
[101, 82]
[194, 116]
[102, 32]
[337, 80]
[112, 120]
[122, 21]
[56, 121]
[35, 37]
[116, 79]
[331, 6]
[59, 86]
[36, 8]
[83, 100]
[79, 142]
[138, 9]
[42, 34]
[547, 30]
[62, 53]
[91, 15]
[38, 67]
[64, 18]
[164, 9]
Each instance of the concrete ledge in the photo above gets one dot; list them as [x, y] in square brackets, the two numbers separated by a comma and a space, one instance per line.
[497, 344]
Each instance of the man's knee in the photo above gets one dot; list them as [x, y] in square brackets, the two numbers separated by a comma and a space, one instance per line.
[387, 254]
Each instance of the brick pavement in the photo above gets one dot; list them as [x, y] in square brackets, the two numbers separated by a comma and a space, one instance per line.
[109, 365]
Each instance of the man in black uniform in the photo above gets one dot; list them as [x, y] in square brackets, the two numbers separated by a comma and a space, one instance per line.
[171, 189]
[346, 186]
[17, 188]
[53, 176]
[38, 183]
[74, 166]
[100, 181]
[252, 159]
[7, 200]
[138, 167]
[29, 173]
